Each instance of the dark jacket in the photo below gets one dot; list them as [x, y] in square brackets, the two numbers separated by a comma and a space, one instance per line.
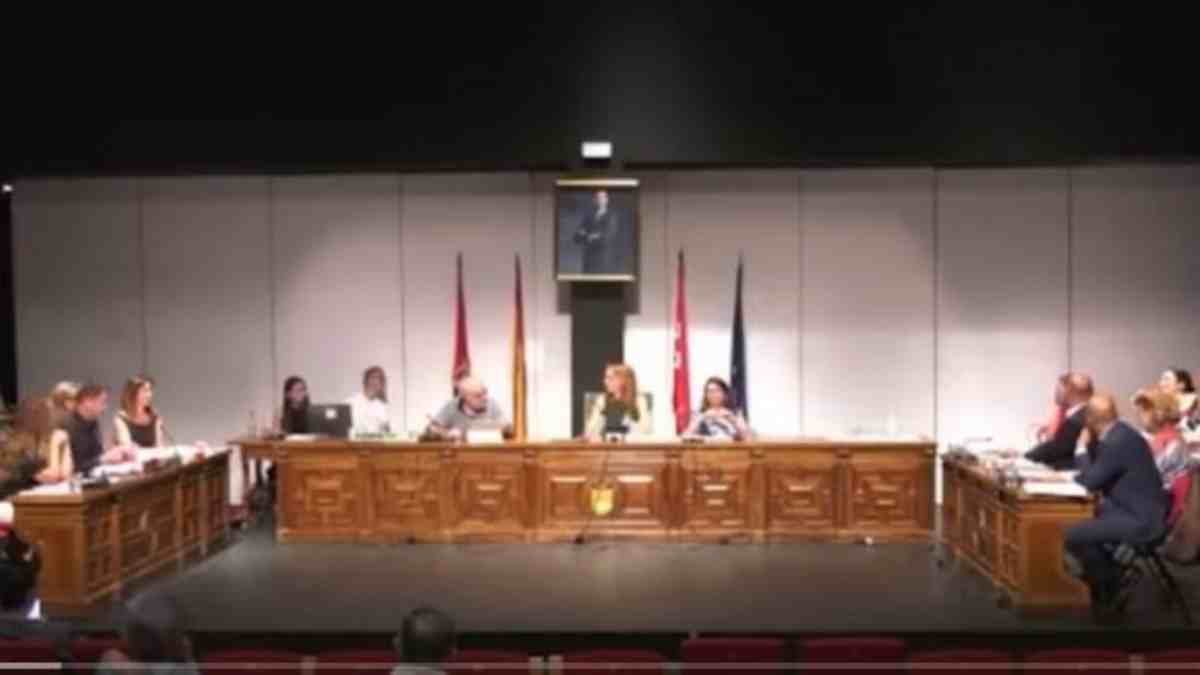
[1058, 451]
[1124, 472]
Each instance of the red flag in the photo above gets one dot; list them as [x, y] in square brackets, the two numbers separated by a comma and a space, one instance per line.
[683, 410]
[462, 357]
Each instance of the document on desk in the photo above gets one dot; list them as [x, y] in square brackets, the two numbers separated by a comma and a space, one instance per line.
[1056, 487]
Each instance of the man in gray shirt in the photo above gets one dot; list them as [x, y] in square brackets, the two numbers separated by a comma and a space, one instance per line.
[471, 409]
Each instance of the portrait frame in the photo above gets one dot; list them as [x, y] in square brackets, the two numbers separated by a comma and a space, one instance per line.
[622, 261]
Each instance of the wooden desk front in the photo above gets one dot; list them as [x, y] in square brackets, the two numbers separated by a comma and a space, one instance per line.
[542, 492]
[97, 541]
[1013, 538]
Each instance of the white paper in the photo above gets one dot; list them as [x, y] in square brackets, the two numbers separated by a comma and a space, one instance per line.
[63, 488]
[1071, 489]
[484, 436]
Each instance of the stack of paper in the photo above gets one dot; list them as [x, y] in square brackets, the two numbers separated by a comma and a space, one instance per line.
[1056, 488]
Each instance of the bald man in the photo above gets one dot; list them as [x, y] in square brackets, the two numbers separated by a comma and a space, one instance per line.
[1133, 505]
[1058, 451]
[472, 408]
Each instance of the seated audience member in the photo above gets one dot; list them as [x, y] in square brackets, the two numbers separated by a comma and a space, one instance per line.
[715, 418]
[83, 432]
[1059, 449]
[137, 423]
[472, 408]
[293, 418]
[1179, 382]
[426, 639]
[369, 408]
[20, 608]
[620, 400]
[156, 639]
[20, 564]
[1132, 509]
[62, 397]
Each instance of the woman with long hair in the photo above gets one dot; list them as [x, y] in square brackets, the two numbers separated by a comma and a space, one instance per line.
[716, 417]
[36, 451]
[293, 417]
[137, 422]
[620, 400]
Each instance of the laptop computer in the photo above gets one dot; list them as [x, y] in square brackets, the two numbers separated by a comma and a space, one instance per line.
[329, 419]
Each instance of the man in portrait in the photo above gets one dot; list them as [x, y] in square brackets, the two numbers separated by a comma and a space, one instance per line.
[598, 237]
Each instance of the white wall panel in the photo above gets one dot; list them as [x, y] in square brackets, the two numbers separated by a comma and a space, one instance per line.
[489, 218]
[867, 315]
[208, 303]
[1136, 271]
[714, 216]
[1002, 294]
[337, 285]
[647, 333]
[547, 332]
[77, 271]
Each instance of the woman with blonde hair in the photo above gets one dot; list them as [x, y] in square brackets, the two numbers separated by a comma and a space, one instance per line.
[136, 422]
[621, 402]
[62, 398]
[1158, 413]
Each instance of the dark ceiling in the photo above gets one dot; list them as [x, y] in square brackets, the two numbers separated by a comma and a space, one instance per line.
[671, 84]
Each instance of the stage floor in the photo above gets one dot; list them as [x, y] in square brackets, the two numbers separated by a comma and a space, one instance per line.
[260, 586]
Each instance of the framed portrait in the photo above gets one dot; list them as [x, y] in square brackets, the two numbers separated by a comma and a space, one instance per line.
[596, 229]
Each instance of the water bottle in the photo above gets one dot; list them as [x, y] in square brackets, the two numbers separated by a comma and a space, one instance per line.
[252, 430]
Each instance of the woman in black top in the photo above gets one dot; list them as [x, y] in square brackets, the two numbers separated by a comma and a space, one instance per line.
[294, 417]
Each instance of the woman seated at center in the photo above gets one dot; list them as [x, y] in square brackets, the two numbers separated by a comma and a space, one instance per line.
[716, 419]
[620, 404]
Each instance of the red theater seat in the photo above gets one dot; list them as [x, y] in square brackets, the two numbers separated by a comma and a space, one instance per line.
[603, 661]
[488, 661]
[945, 661]
[1174, 656]
[732, 651]
[91, 650]
[27, 650]
[242, 660]
[360, 661]
[1104, 660]
[851, 650]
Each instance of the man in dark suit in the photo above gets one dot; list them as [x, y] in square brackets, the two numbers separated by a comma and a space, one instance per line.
[1073, 392]
[1132, 508]
[597, 234]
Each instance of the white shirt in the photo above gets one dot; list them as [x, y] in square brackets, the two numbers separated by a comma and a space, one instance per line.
[368, 416]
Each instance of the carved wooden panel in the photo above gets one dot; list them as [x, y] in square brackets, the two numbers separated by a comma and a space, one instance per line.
[191, 509]
[717, 490]
[884, 493]
[802, 493]
[322, 496]
[147, 525]
[101, 569]
[488, 493]
[624, 493]
[951, 505]
[406, 493]
[216, 489]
